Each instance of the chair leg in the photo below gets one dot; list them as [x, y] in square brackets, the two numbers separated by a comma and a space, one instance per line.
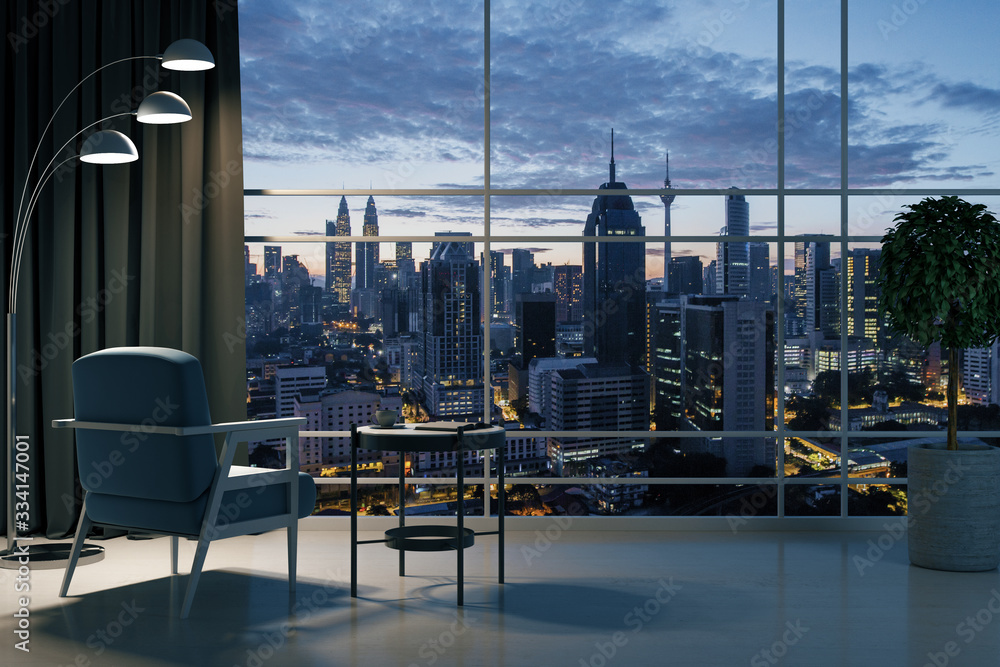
[82, 528]
[293, 539]
[173, 554]
[199, 561]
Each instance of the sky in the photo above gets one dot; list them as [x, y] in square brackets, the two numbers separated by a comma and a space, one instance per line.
[390, 94]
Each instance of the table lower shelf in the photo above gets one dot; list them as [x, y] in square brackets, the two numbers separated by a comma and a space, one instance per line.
[428, 538]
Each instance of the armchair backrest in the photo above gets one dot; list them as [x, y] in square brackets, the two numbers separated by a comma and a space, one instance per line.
[147, 386]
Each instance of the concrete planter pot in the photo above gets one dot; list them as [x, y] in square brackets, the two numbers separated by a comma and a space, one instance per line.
[954, 507]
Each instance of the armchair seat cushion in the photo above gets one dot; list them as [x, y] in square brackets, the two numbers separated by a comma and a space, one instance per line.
[185, 518]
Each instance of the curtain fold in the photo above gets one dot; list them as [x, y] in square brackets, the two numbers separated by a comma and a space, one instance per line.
[147, 253]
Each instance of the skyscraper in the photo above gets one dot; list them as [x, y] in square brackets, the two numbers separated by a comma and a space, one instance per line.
[522, 272]
[294, 285]
[708, 277]
[667, 253]
[981, 374]
[614, 279]
[596, 397]
[686, 275]
[760, 271]
[822, 290]
[733, 257]
[498, 282]
[367, 255]
[272, 261]
[567, 283]
[667, 360]
[862, 294]
[799, 281]
[452, 343]
[338, 257]
[727, 355]
[536, 321]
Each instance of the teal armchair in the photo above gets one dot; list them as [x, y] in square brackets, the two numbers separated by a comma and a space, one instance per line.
[147, 459]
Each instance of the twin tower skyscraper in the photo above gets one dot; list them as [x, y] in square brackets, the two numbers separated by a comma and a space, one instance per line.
[338, 254]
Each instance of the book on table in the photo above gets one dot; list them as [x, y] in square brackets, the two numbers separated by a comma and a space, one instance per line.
[451, 426]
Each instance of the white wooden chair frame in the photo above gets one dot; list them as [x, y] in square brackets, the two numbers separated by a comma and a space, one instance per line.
[227, 477]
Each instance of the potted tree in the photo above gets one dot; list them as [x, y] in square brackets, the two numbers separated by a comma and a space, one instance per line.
[939, 280]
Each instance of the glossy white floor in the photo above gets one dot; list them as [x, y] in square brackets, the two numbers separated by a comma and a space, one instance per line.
[584, 598]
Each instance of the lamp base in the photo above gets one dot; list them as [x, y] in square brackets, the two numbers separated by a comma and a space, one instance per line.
[50, 556]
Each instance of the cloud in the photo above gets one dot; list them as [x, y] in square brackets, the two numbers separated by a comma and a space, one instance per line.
[403, 213]
[534, 251]
[536, 222]
[399, 86]
[966, 95]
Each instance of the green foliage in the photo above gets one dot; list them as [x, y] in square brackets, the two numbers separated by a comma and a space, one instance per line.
[898, 385]
[860, 386]
[939, 275]
[811, 413]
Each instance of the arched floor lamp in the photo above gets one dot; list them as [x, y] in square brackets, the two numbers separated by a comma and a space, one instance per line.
[102, 147]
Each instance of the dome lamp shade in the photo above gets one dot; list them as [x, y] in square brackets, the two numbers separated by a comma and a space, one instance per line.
[163, 108]
[108, 147]
[188, 55]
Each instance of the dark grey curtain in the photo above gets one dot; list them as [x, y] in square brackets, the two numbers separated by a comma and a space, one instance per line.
[147, 253]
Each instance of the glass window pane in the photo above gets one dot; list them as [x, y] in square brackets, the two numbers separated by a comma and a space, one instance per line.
[693, 79]
[876, 500]
[384, 94]
[923, 95]
[812, 500]
[812, 457]
[812, 94]
[811, 216]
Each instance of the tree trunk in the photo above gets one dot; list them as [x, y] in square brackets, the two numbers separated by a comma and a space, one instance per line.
[952, 398]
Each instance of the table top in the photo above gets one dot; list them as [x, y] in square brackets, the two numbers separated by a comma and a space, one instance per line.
[406, 438]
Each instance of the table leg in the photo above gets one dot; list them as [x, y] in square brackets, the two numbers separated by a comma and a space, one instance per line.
[461, 520]
[402, 509]
[501, 509]
[354, 510]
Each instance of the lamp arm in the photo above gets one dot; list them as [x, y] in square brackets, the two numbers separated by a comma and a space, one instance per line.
[21, 224]
[27, 177]
[16, 264]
